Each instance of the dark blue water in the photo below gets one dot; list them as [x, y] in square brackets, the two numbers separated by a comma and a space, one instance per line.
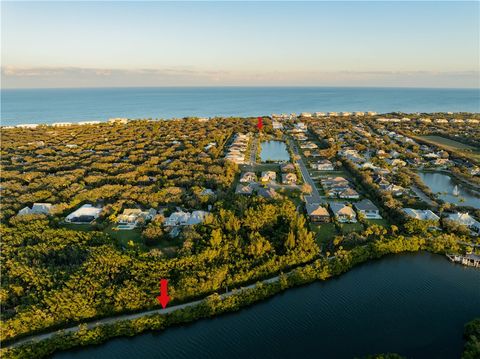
[56, 105]
[414, 304]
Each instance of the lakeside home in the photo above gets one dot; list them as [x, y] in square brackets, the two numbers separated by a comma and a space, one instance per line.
[466, 220]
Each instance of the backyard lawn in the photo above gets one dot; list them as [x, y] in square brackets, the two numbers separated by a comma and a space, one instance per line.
[378, 222]
[351, 227]
[324, 232]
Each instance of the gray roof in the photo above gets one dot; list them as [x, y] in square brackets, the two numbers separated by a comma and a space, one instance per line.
[365, 205]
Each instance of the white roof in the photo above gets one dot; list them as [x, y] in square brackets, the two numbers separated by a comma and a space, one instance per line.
[85, 210]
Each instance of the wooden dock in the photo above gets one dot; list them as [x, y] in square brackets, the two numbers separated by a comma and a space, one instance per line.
[470, 260]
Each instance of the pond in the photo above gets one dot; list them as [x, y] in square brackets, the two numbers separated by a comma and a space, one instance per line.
[274, 151]
[444, 185]
[412, 304]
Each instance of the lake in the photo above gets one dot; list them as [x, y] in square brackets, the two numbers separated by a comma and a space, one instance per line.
[412, 304]
[444, 185]
[57, 105]
[274, 151]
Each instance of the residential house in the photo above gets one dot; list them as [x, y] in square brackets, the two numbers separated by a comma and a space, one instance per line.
[343, 213]
[317, 213]
[85, 214]
[289, 178]
[131, 218]
[421, 214]
[37, 208]
[466, 220]
[323, 165]
[248, 177]
[241, 189]
[367, 209]
[349, 193]
[287, 167]
[268, 176]
[268, 192]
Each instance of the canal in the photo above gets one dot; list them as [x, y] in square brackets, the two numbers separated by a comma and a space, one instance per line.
[444, 185]
[411, 304]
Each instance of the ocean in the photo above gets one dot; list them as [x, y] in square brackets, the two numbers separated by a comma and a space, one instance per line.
[59, 105]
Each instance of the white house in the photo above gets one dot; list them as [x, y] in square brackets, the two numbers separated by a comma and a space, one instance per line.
[465, 219]
[37, 208]
[131, 218]
[85, 214]
[421, 214]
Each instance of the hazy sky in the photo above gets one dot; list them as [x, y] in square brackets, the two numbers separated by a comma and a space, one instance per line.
[413, 44]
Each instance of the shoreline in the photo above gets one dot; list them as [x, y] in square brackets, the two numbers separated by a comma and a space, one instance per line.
[322, 268]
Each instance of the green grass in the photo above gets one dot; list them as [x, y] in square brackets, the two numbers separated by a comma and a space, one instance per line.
[378, 222]
[125, 236]
[452, 145]
[324, 232]
[78, 227]
[446, 142]
[351, 227]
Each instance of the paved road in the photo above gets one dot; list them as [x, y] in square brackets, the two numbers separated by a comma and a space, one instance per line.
[100, 322]
[315, 196]
[253, 150]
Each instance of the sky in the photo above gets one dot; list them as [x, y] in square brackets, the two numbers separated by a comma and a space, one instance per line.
[117, 44]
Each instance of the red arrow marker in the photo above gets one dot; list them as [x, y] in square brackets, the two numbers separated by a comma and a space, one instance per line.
[163, 298]
[260, 123]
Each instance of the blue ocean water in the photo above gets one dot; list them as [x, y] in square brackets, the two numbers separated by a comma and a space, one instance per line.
[56, 105]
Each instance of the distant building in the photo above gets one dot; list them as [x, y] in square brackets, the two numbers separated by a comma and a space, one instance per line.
[181, 218]
[27, 125]
[120, 120]
[61, 124]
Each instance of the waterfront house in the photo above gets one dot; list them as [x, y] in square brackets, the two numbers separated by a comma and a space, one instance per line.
[268, 176]
[466, 220]
[85, 214]
[289, 178]
[343, 213]
[248, 177]
[367, 209]
[317, 213]
[422, 215]
[37, 208]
